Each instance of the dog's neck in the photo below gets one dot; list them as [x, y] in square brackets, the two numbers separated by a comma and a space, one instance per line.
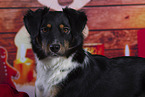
[53, 63]
[53, 70]
[57, 61]
[56, 66]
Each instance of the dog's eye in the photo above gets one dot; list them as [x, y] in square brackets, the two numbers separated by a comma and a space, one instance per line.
[66, 30]
[44, 29]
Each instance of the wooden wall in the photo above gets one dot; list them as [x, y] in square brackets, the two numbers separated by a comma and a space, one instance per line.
[114, 23]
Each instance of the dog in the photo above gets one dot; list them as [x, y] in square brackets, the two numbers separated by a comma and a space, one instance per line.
[65, 69]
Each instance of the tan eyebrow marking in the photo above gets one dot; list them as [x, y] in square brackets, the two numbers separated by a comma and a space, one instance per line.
[49, 25]
[61, 26]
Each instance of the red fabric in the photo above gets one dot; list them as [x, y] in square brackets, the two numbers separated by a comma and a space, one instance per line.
[141, 43]
[7, 91]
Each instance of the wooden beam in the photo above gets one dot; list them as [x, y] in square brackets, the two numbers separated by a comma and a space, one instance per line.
[114, 2]
[11, 20]
[121, 17]
[111, 53]
[35, 3]
[21, 4]
[114, 39]
[124, 17]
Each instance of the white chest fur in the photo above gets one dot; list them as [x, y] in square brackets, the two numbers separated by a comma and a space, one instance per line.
[50, 72]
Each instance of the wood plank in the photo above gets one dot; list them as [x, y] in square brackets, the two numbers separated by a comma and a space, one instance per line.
[35, 3]
[114, 39]
[19, 3]
[124, 17]
[121, 17]
[11, 20]
[119, 53]
[7, 41]
[114, 2]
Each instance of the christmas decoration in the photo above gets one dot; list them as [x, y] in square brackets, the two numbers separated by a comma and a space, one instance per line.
[7, 72]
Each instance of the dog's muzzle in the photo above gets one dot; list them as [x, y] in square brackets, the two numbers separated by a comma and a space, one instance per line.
[54, 48]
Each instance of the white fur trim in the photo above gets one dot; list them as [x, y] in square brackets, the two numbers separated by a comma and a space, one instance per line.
[54, 4]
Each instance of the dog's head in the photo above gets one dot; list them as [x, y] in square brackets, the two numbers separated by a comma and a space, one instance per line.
[55, 33]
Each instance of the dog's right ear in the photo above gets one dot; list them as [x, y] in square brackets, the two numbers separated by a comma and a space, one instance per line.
[77, 19]
[32, 21]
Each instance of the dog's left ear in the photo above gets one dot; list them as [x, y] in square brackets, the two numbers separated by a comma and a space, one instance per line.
[77, 19]
[32, 21]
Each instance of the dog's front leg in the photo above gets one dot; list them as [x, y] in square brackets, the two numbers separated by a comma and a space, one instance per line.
[52, 92]
[38, 92]
[39, 89]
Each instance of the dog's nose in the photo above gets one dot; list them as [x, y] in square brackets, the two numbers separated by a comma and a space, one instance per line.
[55, 48]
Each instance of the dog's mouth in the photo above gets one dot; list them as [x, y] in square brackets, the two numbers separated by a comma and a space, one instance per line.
[54, 54]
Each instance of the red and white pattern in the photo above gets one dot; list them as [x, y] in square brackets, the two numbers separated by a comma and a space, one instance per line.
[7, 72]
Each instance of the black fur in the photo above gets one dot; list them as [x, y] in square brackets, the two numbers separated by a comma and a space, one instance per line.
[117, 77]
[100, 76]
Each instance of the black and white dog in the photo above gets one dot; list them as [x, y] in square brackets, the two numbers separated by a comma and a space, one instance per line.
[64, 69]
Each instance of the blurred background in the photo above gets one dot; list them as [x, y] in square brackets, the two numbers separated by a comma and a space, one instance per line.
[115, 28]
[113, 23]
